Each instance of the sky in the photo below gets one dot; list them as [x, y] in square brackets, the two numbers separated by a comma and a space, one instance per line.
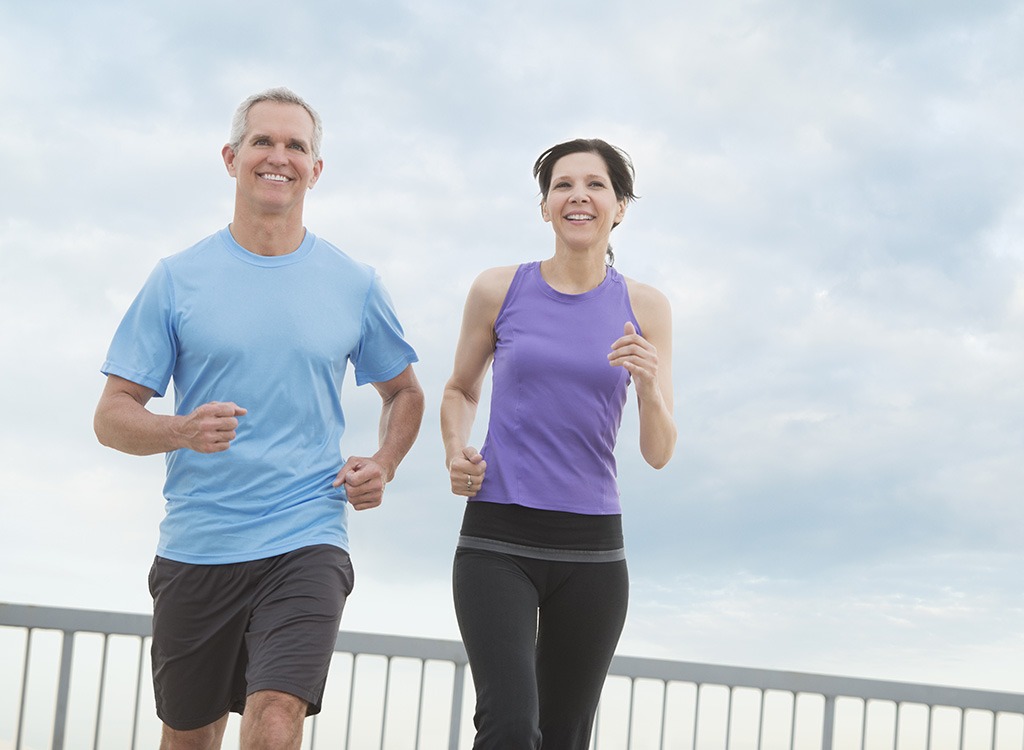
[832, 198]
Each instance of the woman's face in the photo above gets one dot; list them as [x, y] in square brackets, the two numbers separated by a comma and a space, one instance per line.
[581, 205]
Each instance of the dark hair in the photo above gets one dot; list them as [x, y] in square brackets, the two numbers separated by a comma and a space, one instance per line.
[620, 169]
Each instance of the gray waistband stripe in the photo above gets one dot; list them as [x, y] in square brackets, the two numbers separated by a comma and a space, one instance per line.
[542, 553]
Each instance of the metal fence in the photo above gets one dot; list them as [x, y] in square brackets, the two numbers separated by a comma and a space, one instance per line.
[79, 679]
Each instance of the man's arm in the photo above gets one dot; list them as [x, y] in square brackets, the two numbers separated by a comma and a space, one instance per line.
[400, 417]
[123, 422]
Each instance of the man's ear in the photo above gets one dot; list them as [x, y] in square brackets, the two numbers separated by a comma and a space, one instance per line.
[228, 154]
[318, 168]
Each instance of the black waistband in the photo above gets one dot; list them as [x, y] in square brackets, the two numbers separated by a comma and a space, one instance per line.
[550, 529]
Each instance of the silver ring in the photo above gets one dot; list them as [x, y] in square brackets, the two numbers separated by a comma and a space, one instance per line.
[469, 481]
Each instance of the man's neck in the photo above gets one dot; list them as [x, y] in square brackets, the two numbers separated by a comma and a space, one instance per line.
[271, 235]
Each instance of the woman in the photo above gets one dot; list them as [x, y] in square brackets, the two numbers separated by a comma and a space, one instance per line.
[540, 577]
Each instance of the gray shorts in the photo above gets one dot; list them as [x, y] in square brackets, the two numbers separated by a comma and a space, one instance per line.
[221, 632]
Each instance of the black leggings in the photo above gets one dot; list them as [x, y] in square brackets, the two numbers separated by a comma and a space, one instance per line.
[538, 678]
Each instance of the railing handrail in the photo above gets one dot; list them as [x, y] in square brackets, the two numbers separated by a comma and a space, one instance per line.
[96, 621]
[821, 684]
[74, 620]
[701, 675]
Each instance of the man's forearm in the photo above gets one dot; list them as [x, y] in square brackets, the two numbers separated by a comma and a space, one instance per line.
[125, 425]
[400, 420]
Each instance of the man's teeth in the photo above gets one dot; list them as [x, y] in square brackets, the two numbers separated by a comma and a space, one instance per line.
[275, 177]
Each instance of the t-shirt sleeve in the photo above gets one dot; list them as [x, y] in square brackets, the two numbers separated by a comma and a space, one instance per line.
[383, 352]
[144, 348]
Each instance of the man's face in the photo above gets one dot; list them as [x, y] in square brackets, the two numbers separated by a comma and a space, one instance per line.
[274, 164]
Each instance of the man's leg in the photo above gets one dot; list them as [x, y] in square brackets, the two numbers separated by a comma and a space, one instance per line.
[290, 642]
[199, 619]
[273, 721]
[205, 738]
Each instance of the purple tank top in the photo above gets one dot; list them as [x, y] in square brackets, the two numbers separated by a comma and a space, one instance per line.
[556, 403]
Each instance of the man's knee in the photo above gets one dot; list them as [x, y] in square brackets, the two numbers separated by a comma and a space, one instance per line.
[272, 719]
[275, 703]
[204, 738]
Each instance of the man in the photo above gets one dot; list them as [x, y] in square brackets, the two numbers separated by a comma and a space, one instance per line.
[255, 325]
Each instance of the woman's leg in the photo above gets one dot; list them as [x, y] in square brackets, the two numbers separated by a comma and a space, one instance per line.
[496, 606]
[580, 622]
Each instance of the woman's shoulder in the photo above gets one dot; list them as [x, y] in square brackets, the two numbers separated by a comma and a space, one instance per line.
[646, 297]
[491, 286]
[497, 275]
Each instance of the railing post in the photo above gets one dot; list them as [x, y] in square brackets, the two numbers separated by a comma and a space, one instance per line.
[351, 702]
[24, 690]
[138, 692]
[384, 710]
[60, 717]
[828, 724]
[456, 719]
[99, 695]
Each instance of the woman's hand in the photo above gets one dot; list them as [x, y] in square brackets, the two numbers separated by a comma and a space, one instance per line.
[648, 359]
[640, 358]
[467, 472]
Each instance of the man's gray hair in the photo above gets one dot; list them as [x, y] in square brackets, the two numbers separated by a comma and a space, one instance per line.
[281, 94]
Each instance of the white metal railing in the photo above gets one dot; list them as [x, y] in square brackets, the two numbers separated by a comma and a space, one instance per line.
[78, 679]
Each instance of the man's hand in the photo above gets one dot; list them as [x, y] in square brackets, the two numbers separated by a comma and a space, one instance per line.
[364, 482]
[211, 427]
[124, 423]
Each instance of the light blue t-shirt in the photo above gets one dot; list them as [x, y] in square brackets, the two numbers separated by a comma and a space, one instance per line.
[273, 335]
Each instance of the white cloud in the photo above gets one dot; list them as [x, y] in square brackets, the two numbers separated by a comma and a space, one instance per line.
[831, 197]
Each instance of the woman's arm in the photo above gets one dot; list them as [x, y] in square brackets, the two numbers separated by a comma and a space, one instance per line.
[473, 355]
[648, 359]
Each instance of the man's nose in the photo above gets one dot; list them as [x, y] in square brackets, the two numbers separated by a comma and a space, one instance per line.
[279, 154]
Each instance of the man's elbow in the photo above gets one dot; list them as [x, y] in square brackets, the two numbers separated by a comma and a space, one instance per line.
[411, 392]
[409, 400]
[417, 400]
[102, 430]
[108, 429]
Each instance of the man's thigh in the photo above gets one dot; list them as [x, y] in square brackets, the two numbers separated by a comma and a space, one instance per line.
[294, 624]
[221, 632]
[200, 613]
